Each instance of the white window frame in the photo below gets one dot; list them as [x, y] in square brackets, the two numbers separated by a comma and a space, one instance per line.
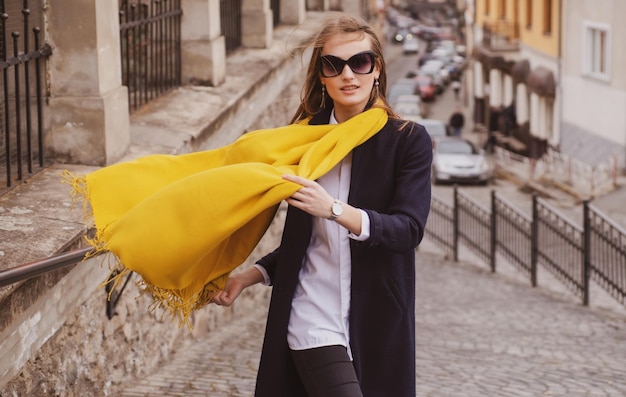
[592, 54]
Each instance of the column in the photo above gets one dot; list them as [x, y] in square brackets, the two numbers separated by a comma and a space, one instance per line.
[257, 25]
[507, 90]
[292, 12]
[203, 47]
[495, 83]
[535, 115]
[521, 104]
[88, 113]
[317, 5]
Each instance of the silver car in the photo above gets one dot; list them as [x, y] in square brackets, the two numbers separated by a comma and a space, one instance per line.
[435, 128]
[459, 160]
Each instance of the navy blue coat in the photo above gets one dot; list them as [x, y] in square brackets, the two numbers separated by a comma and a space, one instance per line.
[390, 180]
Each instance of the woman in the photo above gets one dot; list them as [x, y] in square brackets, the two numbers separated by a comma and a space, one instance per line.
[341, 319]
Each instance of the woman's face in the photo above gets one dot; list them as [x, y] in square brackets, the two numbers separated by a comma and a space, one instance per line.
[349, 90]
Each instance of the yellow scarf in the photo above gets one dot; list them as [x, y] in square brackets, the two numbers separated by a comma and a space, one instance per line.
[184, 222]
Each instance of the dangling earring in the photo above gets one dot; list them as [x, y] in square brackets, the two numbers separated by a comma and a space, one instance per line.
[376, 84]
[322, 102]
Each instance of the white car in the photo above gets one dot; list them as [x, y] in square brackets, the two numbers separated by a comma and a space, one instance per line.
[436, 66]
[412, 117]
[411, 98]
[458, 160]
[404, 109]
[398, 89]
[410, 46]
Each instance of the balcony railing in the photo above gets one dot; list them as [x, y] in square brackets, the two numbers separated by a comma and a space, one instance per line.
[501, 36]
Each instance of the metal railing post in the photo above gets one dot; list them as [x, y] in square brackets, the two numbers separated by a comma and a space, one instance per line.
[493, 234]
[455, 225]
[586, 269]
[534, 242]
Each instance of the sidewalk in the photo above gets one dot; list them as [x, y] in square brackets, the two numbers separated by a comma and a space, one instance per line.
[478, 334]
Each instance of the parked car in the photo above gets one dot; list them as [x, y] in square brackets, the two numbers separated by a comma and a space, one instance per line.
[435, 128]
[436, 65]
[428, 33]
[442, 54]
[412, 117]
[406, 81]
[427, 90]
[405, 109]
[425, 57]
[410, 46]
[401, 87]
[448, 45]
[459, 160]
[431, 69]
[401, 34]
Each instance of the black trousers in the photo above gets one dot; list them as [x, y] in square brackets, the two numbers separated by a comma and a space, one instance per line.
[327, 372]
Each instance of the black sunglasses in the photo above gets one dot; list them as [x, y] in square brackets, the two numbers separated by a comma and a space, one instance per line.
[361, 63]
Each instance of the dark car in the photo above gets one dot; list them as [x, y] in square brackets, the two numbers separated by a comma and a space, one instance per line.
[425, 57]
[402, 34]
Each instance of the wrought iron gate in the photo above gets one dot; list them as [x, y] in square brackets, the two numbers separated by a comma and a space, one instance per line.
[22, 89]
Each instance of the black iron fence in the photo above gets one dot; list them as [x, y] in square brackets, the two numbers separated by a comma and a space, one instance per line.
[573, 254]
[605, 253]
[150, 39]
[22, 90]
[230, 17]
[514, 237]
[501, 35]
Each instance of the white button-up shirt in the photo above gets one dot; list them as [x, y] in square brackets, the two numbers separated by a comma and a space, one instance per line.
[321, 302]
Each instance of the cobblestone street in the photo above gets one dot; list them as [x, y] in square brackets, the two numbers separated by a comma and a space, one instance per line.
[478, 334]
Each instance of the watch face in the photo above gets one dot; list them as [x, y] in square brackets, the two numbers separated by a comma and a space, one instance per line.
[337, 209]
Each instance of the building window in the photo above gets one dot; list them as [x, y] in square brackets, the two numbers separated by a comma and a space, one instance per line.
[502, 9]
[487, 4]
[547, 16]
[596, 56]
[529, 14]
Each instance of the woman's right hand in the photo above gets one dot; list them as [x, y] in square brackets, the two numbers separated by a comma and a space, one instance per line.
[235, 284]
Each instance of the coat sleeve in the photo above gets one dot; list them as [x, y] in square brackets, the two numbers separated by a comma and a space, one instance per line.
[269, 262]
[400, 227]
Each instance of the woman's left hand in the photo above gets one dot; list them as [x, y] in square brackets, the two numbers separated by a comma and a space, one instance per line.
[311, 198]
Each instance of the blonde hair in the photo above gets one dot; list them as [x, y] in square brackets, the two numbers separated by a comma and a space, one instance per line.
[311, 101]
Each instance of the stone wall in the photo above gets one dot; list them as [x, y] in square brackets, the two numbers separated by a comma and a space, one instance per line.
[60, 342]
[92, 355]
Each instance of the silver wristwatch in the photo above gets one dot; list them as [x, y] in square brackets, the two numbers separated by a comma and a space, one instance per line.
[336, 210]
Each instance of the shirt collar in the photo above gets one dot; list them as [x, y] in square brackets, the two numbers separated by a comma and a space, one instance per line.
[332, 120]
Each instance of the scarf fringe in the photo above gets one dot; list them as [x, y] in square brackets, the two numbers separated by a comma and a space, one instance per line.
[79, 191]
[174, 303]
